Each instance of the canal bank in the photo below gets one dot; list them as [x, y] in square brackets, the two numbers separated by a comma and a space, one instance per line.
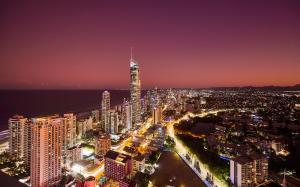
[173, 171]
[201, 170]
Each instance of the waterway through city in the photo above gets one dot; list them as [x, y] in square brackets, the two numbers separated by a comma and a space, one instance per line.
[173, 171]
[191, 161]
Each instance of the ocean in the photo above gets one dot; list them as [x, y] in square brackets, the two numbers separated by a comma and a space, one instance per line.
[31, 103]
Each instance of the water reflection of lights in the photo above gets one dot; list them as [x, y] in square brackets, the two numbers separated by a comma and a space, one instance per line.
[182, 150]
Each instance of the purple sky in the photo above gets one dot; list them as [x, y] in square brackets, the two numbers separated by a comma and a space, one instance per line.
[86, 44]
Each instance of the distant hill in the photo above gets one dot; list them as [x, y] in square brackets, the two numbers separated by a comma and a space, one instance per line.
[263, 88]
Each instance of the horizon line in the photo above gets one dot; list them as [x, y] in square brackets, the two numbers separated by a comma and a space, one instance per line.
[149, 88]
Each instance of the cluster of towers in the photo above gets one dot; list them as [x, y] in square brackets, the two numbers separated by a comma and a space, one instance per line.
[42, 142]
[129, 113]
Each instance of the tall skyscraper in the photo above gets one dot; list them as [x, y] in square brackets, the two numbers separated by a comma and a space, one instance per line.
[113, 122]
[105, 107]
[69, 133]
[127, 115]
[46, 151]
[69, 130]
[95, 116]
[19, 138]
[156, 115]
[135, 91]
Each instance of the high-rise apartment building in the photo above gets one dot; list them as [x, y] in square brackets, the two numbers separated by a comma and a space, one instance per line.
[46, 151]
[113, 122]
[69, 130]
[127, 115]
[105, 107]
[248, 171]
[27, 143]
[156, 115]
[261, 168]
[19, 138]
[84, 125]
[102, 144]
[73, 154]
[135, 92]
[96, 118]
[80, 128]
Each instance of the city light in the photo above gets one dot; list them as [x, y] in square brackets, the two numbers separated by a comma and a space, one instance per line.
[150, 93]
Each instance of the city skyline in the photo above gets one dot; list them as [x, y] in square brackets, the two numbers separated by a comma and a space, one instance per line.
[48, 45]
[131, 93]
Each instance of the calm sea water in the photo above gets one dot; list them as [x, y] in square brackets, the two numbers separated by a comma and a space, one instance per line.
[32, 103]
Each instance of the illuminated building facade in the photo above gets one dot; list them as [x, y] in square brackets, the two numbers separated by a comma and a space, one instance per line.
[135, 92]
[19, 138]
[248, 171]
[105, 107]
[73, 154]
[96, 116]
[46, 152]
[138, 164]
[102, 144]
[69, 132]
[117, 165]
[127, 115]
[113, 122]
[156, 115]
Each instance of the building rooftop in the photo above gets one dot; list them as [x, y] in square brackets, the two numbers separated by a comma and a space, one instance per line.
[256, 156]
[242, 159]
[139, 158]
[103, 136]
[248, 158]
[16, 117]
[119, 157]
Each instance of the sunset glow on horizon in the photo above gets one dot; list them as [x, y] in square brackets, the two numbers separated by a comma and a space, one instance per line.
[86, 45]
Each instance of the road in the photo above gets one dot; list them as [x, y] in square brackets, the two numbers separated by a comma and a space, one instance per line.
[98, 172]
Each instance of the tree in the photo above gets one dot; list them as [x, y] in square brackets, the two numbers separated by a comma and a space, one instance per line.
[142, 179]
[88, 136]
[169, 142]
[153, 157]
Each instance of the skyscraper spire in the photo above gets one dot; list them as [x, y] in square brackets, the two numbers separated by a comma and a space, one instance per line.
[131, 53]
